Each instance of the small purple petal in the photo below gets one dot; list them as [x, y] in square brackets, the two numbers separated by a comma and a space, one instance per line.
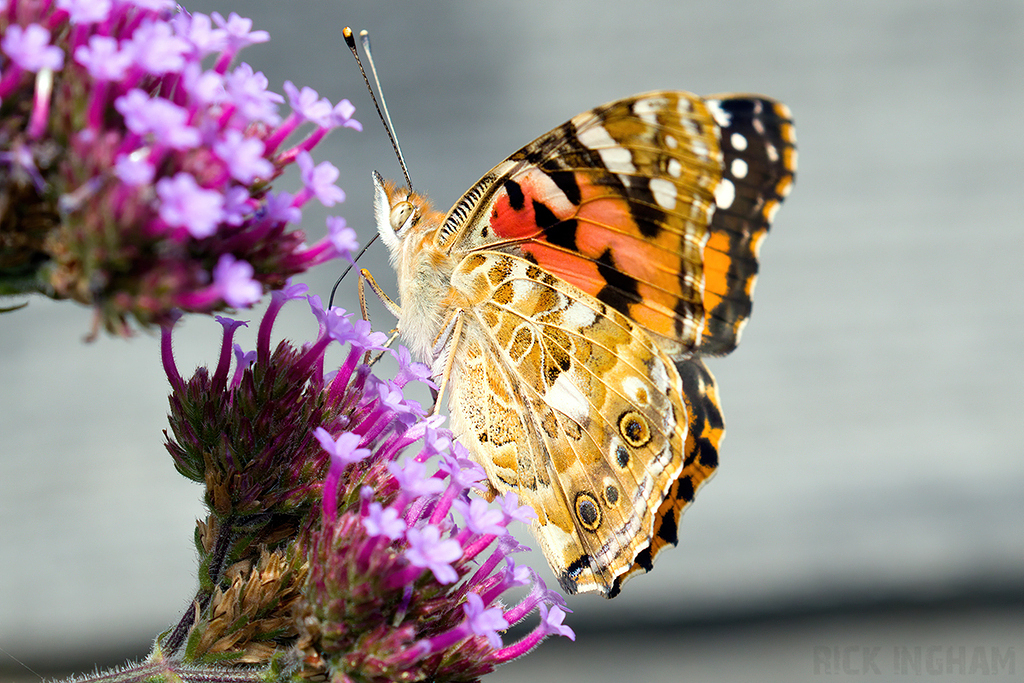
[341, 115]
[248, 92]
[85, 11]
[30, 48]
[342, 237]
[244, 156]
[412, 478]
[236, 205]
[184, 204]
[511, 507]
[480, 518]
[279, 207]
[344, 449]
[134, 170]
[157, 50]
[198, 30]
[484, 622]
[166, 121]
[308, 104]
[102, 58]
[381, 521]
[233, 278]
[428, 550]
[319, 179]
[239, 31]
[551, 621]
[205, 87]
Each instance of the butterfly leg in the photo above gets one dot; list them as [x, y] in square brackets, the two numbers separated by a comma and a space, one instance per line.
[366, 278]
[447, 342]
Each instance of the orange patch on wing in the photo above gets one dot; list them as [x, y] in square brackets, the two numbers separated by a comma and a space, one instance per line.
[716, 269]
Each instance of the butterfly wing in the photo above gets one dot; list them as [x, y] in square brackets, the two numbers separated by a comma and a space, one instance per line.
[656, 205]
[595, 266]
[579, 411]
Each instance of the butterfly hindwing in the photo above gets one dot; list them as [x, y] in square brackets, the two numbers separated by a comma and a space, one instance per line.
[568, 400]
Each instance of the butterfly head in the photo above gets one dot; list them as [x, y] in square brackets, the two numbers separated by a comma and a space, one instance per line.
[399, 213]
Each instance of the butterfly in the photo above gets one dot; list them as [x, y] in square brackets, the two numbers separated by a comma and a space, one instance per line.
[565, 303]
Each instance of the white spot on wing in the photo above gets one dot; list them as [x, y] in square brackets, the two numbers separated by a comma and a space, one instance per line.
[567, 398]
[660, 376]
[664, 192]
[739, 142]
[617, 160]
[725, 193]
[579, 316]
[722, 118]
[671, 142]
[739, 168]
[675, 168]
[615, 157]
[647, 109]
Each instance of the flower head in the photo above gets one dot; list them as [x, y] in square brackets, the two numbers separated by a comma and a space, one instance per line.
[404, 571]
[137, 166]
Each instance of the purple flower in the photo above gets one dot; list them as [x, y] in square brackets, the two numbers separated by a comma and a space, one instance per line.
[198, 30]
[344, 449]
[99, 145]
[166, 121]
[342, 237]
[514, 511]
[102, 58]
[280, 206]
[319, 179]
[134, 169]
[410, 370]
[85, 11]
[428, 550]
[184, 204]
[236, 205]
[412, 479]
[248, 92]
[392, 584]
[233, 280]
[463, 471]
[342, 116]
[244, 156]
[480, 517]
[30, 48]
[552, 619]
[157, 49]
[239, 31]
[483, 621]
[308, 104]
[381, 521]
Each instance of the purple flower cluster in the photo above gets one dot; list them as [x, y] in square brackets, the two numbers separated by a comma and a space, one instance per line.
[136, 159]
[403, 569]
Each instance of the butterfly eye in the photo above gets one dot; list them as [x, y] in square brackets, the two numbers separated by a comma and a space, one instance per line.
[402, 216]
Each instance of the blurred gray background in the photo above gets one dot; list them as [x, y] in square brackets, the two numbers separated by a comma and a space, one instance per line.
[871, 488]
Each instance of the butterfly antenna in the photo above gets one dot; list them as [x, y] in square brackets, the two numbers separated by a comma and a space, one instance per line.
[334, 289]
[384, 116]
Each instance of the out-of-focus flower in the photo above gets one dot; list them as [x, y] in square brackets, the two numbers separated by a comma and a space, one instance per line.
[131, 166]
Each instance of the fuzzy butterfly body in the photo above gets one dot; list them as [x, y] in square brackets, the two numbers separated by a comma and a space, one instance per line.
[567, 298]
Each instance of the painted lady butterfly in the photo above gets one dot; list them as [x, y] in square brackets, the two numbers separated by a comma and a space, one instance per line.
[566, 301]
